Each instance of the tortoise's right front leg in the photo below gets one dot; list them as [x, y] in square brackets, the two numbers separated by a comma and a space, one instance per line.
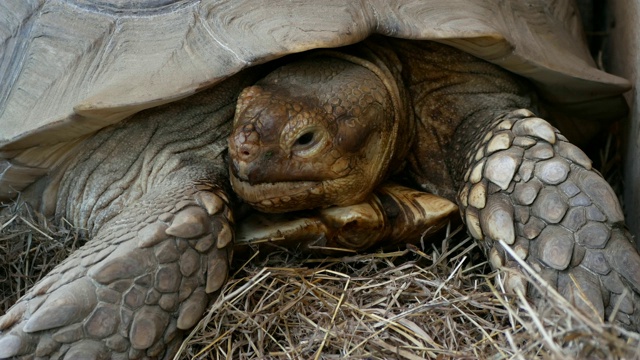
[525, 184]
[131, 291]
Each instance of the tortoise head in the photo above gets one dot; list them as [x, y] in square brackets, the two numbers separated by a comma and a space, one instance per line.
[311, 134]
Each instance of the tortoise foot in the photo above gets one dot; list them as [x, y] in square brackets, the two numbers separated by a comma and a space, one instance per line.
[393, 214]
[131, 291]
[528, 186]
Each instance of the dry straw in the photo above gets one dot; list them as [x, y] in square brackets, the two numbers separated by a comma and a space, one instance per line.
[440, 302]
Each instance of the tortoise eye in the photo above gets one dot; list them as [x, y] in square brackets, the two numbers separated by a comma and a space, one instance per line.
[305, 138]
[310, 142]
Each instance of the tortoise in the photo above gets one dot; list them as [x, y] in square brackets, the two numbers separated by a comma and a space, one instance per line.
[116, 115]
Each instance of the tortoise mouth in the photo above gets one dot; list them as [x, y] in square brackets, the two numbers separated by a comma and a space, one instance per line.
[280, 197]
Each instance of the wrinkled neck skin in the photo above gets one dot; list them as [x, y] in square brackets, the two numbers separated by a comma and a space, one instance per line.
[163, 150]
[451, 91]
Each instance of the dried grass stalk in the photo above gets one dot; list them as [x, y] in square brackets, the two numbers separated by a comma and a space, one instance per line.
[395, 305]
[403, 304]
[30, 246]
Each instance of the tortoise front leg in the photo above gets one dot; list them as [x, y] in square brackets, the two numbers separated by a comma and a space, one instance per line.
[525, 184]
[129, 293]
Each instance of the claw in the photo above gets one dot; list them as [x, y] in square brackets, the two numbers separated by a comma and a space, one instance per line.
[46, 346]
[189, 223]
[582, 289]
[45, 284]
[217, 271]
[10, 345]
[211, 202]
[623, 257]
[535, 127]
[496, 219]
[515, 283]
[121, 265]
[473, 223]
[69, 304]
[88, 349]
[192, 309]
[13, 315]
[225, 236]
[152, 235]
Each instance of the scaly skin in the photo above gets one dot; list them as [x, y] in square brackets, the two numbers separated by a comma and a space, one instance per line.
[517, 179]
[324, 131]
[513, 175]
[555, 211]
[152, 194]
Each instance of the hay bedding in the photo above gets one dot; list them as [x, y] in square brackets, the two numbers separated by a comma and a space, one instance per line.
[440, 303]
[393, 305]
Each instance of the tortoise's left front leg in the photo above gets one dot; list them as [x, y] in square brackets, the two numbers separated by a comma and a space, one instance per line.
[129, 293]
[522, 182]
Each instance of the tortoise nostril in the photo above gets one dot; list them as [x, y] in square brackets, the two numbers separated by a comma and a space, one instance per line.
[246, 152]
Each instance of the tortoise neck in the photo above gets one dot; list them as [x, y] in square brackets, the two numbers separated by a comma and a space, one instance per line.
[454, 95]
[380, 53]
[377, 56]
[156, 154]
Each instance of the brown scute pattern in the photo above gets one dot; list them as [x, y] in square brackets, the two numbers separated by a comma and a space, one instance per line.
[129, 294]
[567, 219]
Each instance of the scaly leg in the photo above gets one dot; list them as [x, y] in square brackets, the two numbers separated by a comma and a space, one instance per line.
[525, 184]
[131, 291]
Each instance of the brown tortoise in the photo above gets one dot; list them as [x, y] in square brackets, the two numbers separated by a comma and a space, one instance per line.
[115, 115]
